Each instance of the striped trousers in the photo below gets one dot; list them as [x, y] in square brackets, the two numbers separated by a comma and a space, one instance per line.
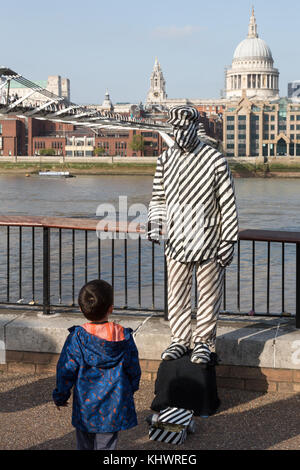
[209, 275]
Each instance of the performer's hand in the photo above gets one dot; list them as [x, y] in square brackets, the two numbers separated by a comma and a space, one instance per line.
[225, 254]
[153, 232]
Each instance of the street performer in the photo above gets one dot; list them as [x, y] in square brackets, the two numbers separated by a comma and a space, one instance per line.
[194, 197]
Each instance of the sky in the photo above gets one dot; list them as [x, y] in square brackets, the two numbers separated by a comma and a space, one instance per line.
[112, 45]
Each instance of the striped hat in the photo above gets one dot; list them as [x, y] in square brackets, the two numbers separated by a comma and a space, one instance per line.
[182, 116]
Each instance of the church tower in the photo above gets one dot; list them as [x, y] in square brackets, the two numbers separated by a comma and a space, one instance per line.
[107, 104]
[157, 93]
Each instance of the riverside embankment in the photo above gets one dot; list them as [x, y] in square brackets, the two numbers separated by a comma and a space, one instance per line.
[252, 167]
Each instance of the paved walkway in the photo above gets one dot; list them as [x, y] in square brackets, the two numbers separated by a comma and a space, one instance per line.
[246, 420]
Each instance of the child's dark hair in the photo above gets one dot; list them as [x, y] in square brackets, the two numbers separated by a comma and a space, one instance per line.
[95, 298]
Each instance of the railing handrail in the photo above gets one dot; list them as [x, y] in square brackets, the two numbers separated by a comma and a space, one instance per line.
[132, 227]
[70, 223]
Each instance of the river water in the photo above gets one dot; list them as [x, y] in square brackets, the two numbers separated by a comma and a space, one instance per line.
[271, 204]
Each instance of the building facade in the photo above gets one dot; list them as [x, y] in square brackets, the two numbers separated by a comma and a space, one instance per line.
[29, 136]
[54, 84]
[261, 128]
[12, 137]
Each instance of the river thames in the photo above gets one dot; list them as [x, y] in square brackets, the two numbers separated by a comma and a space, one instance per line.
[271, 204]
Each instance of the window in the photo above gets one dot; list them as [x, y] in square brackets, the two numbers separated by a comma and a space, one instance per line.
[272, 118]
[292, 117]
[242, 127]
[298, 117]
[230, 146]
[230, 128]
[230, 136]
[292, 127]
[0, 129]
[272, 127]
[147, 134]
[230, 118]
[242, 136]
[242, 118]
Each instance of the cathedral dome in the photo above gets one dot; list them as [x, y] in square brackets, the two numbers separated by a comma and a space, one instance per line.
[252, 72]
[252, 48]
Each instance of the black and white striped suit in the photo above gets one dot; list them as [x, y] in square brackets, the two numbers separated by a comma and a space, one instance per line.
[194, 189]
[193, 196]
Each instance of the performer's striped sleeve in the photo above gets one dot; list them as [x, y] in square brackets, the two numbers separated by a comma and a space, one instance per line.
[225, 192]
[157, 206]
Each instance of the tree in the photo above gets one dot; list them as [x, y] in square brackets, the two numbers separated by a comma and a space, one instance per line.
[99, 151]
[50, 152]
[137, 144]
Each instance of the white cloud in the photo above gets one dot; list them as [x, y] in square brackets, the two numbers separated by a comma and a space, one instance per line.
[174, 32]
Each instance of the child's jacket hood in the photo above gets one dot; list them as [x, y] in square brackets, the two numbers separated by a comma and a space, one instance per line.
[100, 352]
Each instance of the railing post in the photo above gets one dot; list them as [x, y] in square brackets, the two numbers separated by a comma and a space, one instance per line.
[165, 289]
[46, 270]
[297, 285]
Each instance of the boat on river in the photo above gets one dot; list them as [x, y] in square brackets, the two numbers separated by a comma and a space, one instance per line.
[64, 174]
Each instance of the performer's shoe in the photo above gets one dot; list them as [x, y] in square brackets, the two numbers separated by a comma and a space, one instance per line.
[201, 353]
[174, 351]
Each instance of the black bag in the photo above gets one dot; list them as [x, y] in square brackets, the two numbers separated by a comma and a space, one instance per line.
[183, 384]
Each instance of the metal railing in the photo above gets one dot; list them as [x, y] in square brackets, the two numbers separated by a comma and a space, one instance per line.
[50, 258]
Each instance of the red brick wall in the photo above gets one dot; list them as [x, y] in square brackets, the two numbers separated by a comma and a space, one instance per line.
[56, 143]
[13, 136]
[153, 143]
[232, 377]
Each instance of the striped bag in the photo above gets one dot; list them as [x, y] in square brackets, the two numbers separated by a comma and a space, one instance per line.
[170, 425]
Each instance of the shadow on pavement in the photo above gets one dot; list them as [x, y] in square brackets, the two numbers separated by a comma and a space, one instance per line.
[27, 396]
[262, 427]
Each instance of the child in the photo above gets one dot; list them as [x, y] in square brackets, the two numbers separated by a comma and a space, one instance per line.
[100, 360]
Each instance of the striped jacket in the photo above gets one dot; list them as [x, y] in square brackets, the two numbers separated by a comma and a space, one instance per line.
[193, 197]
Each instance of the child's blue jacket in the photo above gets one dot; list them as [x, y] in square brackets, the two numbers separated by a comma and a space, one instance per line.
[105, 375]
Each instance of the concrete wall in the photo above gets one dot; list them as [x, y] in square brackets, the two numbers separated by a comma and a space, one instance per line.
[256, 354]
[142, 160]
[38, 159]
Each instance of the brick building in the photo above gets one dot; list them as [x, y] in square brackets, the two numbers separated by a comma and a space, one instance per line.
[28, 136]
[20, 136]
[12, 137]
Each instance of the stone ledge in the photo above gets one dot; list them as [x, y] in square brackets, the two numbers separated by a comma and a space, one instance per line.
[260, 354]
